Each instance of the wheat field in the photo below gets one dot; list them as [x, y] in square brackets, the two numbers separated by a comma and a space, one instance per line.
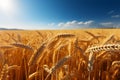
[87, 54]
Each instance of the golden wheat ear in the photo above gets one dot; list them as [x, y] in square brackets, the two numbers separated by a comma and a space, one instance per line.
[58, 65]
[6, 47]
[65, 35]
[95, 36]
[90, 34]
[12, 37]
[109, 38]
[4, 72]
[16, 67]
[35, 56]
[41, 35]
[46, 68]
[31, 76]
[106, 47]
[116, 62]
[21, 45]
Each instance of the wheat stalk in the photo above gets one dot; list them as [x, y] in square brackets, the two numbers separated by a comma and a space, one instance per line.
[90, 34]
[36, 54]
[90, 63]
[94, 36]
[6, 47]
[52, 43]
[40, 34]
[16, 67]
[2, 59]
[56, 51]
[19, 37]
[11, 37]
[5, 40]
[58, 65]
[22, 46]
[46, 68]
[31, 76]
[115, 73]
[110, 37]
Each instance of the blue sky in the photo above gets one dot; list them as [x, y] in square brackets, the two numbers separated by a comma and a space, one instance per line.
[59, 14]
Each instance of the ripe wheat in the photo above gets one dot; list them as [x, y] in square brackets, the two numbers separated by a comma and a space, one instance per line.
[36, 55]
[6, 47]
[110, 37]
[4, 72]
[58, 65]
[22, 46]
[106, 47]
[31, 76]
[65, 35]
[48, 61]
[115, 62]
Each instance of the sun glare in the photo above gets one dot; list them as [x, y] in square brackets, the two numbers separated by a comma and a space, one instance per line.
[7, 6]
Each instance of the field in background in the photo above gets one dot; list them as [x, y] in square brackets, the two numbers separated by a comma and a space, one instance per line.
[87, 54]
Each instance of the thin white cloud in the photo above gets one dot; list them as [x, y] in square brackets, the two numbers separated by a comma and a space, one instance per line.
[75, 24]
[51, 24]
[87, 24]
[107, 24]
[115, 16]
[63, 25]
[110, 25]
[60, 24]
[111, 12]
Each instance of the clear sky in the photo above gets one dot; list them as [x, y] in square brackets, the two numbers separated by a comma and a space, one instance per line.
[59, 14]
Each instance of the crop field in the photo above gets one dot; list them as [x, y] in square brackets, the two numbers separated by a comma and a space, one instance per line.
[87, 54]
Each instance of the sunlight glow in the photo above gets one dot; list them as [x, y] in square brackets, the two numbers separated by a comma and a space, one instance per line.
[7, 6]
